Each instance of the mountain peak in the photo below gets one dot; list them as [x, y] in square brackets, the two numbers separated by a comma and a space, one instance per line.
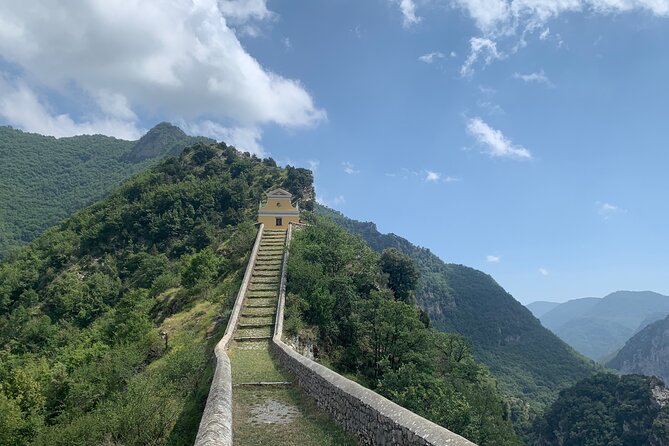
[162, 139]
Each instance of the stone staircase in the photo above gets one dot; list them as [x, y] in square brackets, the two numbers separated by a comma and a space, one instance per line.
[256, 322]
[267, 408]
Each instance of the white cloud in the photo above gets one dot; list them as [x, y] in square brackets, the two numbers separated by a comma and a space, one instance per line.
[244, 10]
[454, 54]
[490, 107]
[492, 259]
[430, 57]
[544, 34]
[494, 142]
[543, 271]
[338, 200]
[608, 210]
[20, 107]
[246, 139]
[179, 59]
[432, 177]
[480, 48]
[313, 165]
[409, 17]
[349, 168]
[505, 17]
[539, 77]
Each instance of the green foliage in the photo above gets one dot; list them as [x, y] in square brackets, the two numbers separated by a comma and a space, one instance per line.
[530, 363]
[45, 179]
[199, 269]
[402, 273]
[606, 410]
[340, 288]
[82, 306]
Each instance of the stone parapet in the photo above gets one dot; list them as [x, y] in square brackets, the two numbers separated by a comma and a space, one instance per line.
[216, 424]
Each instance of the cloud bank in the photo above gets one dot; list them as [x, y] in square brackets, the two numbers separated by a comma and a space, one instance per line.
[176, 59]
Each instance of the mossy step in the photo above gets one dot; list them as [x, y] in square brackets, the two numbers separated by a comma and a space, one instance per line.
[259, 312]
[269, 290]
[255, 324]
[255, 297]
[261, 306]
[264, 384]
[263, 287]
[252, 338]
[266, 273]
[273, 281]
[260, 319]
[245, 332]
[261, 300]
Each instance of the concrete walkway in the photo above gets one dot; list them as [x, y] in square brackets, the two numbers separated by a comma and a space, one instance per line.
[267, 408]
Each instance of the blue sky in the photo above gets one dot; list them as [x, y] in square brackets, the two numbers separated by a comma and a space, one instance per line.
[523, 138]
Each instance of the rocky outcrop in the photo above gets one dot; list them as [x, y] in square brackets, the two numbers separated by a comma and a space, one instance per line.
[646, 353]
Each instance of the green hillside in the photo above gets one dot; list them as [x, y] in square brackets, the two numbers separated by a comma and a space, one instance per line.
[607, 410]
[530, 362]
[82, 308]
[45, 179]
[358, 306]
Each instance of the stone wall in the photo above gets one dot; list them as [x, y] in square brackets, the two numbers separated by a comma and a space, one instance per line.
[216, 424]
[375, 420]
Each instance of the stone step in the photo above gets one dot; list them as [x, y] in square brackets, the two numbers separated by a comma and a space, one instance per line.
[269, 257]
[252, 338]
[255, 325]
[259, 300]
[264, 384]
[259, 312]
[276, 280]
[256, 296]
[259, 319]
[262, 287]
[261, 305]
[262, 272]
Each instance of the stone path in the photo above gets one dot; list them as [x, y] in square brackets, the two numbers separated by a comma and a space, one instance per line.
[267, 408]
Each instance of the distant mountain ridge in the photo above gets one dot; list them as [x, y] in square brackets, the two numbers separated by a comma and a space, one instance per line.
[597, 327]
[45, 179]
[646, 353]
[541, 307]
[530, 362]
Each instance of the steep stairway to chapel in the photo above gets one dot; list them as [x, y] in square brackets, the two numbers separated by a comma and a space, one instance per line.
[267, 408]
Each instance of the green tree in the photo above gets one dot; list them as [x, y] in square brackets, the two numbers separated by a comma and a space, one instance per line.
[200, 269]
[402, 273]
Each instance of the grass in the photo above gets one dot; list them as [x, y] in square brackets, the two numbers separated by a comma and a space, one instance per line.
[282, 416]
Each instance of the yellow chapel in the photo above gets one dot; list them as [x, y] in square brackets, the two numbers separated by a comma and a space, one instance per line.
[278, 211]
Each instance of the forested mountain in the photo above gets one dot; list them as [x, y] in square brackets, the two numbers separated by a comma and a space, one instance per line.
[107, 321]
[45, 179]
[541, 307]
[530, 362]
[607, 410]
[597, 327]
[359, 308]
[646, 353]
